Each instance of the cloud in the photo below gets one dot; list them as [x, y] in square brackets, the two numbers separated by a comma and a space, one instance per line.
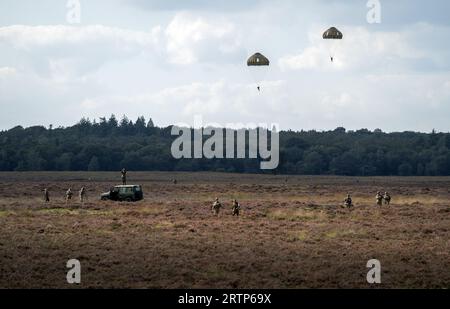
[202, 5]
[372, 101]
[311, 58]
[7, 71]
[59, 52]
[220, 102]
[371, 51]
[190, 38]
[31, 37]
[27, 99]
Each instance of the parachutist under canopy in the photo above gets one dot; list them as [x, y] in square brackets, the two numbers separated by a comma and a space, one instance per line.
[332, 35]
[258, 64]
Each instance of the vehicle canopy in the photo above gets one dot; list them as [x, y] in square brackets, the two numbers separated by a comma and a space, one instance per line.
[127, 186]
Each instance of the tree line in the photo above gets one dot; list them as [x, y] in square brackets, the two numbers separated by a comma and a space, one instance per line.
[110, 144]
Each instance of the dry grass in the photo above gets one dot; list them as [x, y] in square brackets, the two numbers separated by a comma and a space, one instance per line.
[290, 234]
[296, 215]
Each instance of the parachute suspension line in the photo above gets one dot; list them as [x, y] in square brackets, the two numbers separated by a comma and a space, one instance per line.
[258, 66]
[258, 74]
[332, 36]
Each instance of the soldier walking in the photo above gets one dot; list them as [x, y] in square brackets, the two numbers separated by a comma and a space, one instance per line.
[216, 206]
[46, 195]
[348, 201]
[82, 195]
[124, 176]
[236, 208]
[69, 195]
[387, 198]
[379, 198]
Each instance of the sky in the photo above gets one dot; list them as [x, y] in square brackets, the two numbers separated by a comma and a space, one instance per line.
[173, 60]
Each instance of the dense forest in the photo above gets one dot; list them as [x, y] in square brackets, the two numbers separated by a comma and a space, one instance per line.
[110, 144]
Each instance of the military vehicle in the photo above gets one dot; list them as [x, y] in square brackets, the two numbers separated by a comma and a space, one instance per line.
[127, 193]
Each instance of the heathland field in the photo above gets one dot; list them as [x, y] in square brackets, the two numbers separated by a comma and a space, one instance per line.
[292, 232]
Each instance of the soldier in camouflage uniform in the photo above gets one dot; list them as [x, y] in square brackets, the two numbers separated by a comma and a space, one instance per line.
[379, 198]
[46, 195]
[124, 176]
[236, 208]
[387, 198]
[69, 195]
[216, 206]
[348, 201]
[82, 194]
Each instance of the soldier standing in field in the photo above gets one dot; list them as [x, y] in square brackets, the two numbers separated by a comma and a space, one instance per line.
[216, 206]
[69, 195]
[124, 176]
[387, 198]
[46, 195]
[348, 201]
[82, 194]
[236, 208]
[379, 198]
